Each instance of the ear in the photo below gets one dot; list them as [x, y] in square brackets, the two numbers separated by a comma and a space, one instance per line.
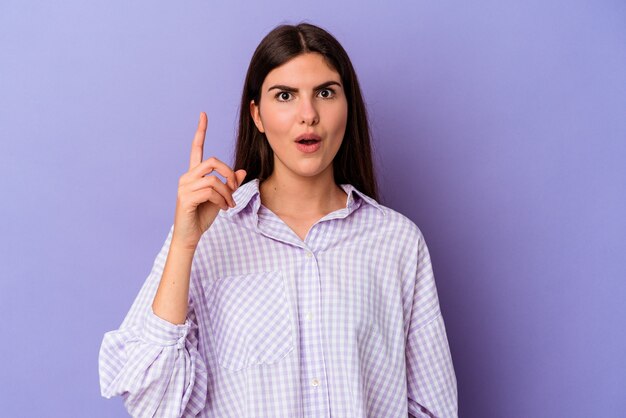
[256, 116]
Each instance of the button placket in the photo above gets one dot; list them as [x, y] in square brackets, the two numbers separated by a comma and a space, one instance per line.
[309, 315]
[313, 367]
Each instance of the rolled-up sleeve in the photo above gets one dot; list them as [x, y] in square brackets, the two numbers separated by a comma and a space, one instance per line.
[152, 363]
[431, 380]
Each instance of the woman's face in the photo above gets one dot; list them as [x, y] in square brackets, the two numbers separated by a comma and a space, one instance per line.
[302, 99]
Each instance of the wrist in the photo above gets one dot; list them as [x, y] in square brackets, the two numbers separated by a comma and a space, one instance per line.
[183, 246]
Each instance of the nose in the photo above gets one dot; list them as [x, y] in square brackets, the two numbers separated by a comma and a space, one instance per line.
[308, 112]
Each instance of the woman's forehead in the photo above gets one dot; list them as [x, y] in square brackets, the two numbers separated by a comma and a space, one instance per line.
[305, 70]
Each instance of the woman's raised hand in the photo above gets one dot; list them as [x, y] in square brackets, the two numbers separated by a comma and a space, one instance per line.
[200, 197]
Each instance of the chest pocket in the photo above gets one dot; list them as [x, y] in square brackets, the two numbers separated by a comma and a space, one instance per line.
[250, 320]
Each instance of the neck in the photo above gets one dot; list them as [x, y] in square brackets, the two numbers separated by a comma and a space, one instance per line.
[302, 197]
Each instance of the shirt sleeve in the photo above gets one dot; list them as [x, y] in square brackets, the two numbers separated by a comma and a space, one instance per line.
[152, 363]
[431, 381]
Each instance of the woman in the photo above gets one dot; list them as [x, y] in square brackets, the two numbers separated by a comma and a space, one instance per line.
[303, 296]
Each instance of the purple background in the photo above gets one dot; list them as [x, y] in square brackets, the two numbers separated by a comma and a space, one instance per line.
[500, 129]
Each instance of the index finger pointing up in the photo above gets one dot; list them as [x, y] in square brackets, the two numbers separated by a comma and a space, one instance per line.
[198, 142]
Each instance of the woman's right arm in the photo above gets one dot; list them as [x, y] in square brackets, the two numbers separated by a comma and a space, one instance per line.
[199, 200]
[154, 364]
[152, 360]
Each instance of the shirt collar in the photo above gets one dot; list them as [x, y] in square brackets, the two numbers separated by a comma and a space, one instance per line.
[247, 195]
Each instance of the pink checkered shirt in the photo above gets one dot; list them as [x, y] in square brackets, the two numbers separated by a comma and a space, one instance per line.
[345, 323]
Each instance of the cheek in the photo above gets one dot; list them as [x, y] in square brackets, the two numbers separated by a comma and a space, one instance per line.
[337, 120]
[277, 119]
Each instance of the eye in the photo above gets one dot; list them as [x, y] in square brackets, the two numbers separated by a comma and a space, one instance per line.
[283, 96]
[327, 93]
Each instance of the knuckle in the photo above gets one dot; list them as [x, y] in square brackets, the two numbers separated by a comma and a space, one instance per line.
[184, 178]
[212, 180]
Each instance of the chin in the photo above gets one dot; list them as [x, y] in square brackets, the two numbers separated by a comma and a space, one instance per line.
[311, 171]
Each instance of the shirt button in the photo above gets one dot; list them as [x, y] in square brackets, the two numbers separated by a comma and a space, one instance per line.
[309, 316]
[309, 255]
[315, 382]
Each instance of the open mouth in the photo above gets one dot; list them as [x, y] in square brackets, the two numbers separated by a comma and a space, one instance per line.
[308, 141]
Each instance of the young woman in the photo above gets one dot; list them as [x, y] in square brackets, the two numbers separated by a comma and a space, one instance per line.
[286, 290]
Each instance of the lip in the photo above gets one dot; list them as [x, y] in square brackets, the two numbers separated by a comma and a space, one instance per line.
[308, 148]
[310, 135]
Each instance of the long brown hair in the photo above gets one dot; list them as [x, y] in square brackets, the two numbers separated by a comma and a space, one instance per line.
[353, 162]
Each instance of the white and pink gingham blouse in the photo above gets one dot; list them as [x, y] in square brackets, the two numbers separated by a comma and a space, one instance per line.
[343, 324]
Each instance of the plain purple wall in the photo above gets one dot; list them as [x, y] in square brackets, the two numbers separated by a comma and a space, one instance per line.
[500, 129]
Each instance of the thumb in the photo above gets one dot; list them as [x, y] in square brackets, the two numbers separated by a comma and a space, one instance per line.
[241, 175]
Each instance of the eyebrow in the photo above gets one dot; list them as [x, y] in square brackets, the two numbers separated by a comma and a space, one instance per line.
[295, 90]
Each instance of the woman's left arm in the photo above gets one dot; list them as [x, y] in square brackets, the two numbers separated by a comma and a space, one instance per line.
[431, 381]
